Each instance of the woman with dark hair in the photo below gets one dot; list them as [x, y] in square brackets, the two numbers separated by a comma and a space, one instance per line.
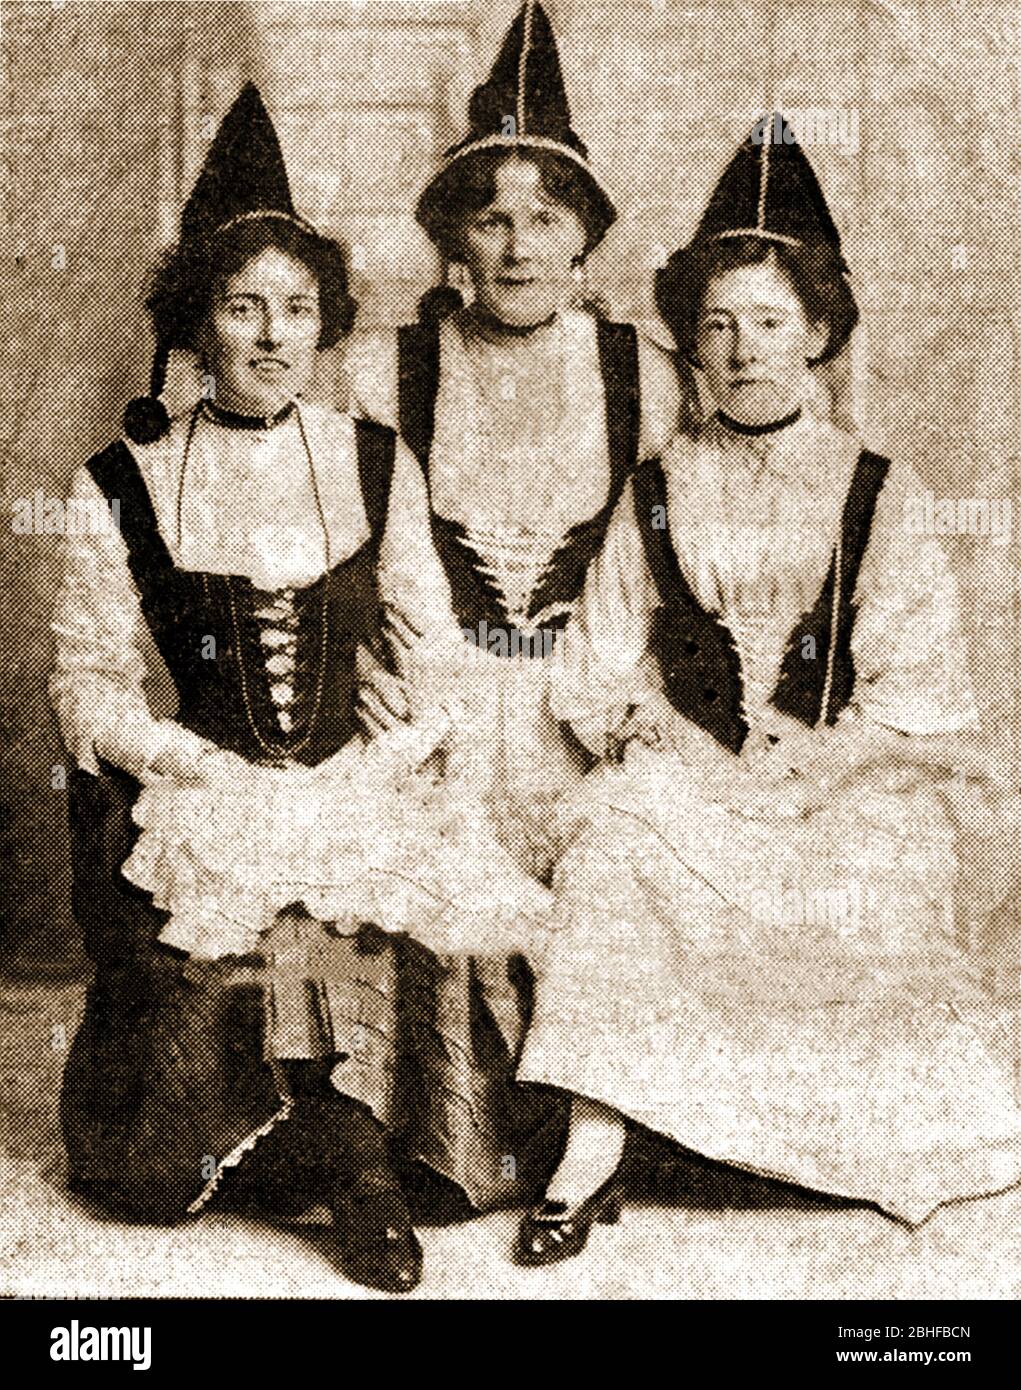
[751, 951]
[527, 413]
[817, 274]
[178, 301]
[238, 866]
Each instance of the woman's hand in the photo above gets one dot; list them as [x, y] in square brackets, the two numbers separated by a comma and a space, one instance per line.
[384, 701]
[410, 746]
[640, 725]
[388, 701]
[652, 722]
[814, 763]
[401, 632]
[188, 766]
[824, 759]
[990, 766]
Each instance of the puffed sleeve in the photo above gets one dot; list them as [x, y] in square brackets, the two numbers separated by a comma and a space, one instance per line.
[412, 580]
[370, 366]
[606, 665]
[103, 649]
[908, 643]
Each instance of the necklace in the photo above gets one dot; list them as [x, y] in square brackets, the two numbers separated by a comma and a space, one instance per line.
[234, 420]
[283, 601]
[752, 431]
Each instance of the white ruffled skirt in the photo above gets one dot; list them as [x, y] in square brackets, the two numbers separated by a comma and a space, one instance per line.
[785, 995]
[368, 836]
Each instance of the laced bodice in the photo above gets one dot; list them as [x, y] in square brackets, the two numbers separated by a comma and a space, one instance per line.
[516, 562]
[761, 516]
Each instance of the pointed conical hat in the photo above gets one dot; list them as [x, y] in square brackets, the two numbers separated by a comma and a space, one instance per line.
[522, 105]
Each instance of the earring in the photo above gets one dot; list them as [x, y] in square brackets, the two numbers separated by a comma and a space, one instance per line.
[581, 294]
[458, 278]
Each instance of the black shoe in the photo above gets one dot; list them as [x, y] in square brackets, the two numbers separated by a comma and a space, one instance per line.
[554, 1231]
[433, 1200]
[374, 1240]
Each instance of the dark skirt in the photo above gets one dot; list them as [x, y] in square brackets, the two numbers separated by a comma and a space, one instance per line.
[169, 1087]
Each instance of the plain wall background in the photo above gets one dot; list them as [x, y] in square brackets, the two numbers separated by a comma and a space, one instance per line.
[107, 108]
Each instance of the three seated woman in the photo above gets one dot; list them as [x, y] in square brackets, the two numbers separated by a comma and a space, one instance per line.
[379, 913]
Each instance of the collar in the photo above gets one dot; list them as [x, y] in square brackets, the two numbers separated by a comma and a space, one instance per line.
[493, 330]
[233, 420]
[756, 431]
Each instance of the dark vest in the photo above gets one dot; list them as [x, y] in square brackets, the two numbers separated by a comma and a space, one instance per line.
[205, 628]
[477, 600]
[697, 656]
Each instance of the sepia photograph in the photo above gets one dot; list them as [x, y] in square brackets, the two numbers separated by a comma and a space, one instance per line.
[509, 631]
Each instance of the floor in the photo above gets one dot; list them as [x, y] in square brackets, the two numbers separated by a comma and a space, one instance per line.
[50, 1246]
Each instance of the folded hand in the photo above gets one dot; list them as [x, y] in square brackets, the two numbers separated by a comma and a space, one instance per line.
[188, 764]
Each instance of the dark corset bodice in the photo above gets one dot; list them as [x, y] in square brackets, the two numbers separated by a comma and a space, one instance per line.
[264, 674]
[695, 650]
[477, 600]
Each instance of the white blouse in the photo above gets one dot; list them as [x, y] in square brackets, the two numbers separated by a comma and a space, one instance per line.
[753, 522]
[515, 366]
[519, 453]
[519, 456]
[361, 835]
[247, 507]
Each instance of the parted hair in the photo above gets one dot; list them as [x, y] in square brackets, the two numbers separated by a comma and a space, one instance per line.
[469, 185]
[815, 270]
[182, 288]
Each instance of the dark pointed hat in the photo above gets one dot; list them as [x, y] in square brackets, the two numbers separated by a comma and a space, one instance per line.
[770, 190]
[244, 175]
[243, 179]
[522, 105]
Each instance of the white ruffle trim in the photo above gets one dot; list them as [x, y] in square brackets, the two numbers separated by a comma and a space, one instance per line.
[363, 837]
[236, 1154]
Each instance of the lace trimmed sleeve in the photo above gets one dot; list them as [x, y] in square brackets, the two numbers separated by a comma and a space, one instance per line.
[909, 649]
[103, 647]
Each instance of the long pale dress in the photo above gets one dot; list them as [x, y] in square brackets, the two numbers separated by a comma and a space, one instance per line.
[782, 993]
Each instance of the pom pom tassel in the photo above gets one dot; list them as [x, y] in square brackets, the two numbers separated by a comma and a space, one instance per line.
[146, 420]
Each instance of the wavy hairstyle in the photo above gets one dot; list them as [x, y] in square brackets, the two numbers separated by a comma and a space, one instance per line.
[184, 285]
[815, 270]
